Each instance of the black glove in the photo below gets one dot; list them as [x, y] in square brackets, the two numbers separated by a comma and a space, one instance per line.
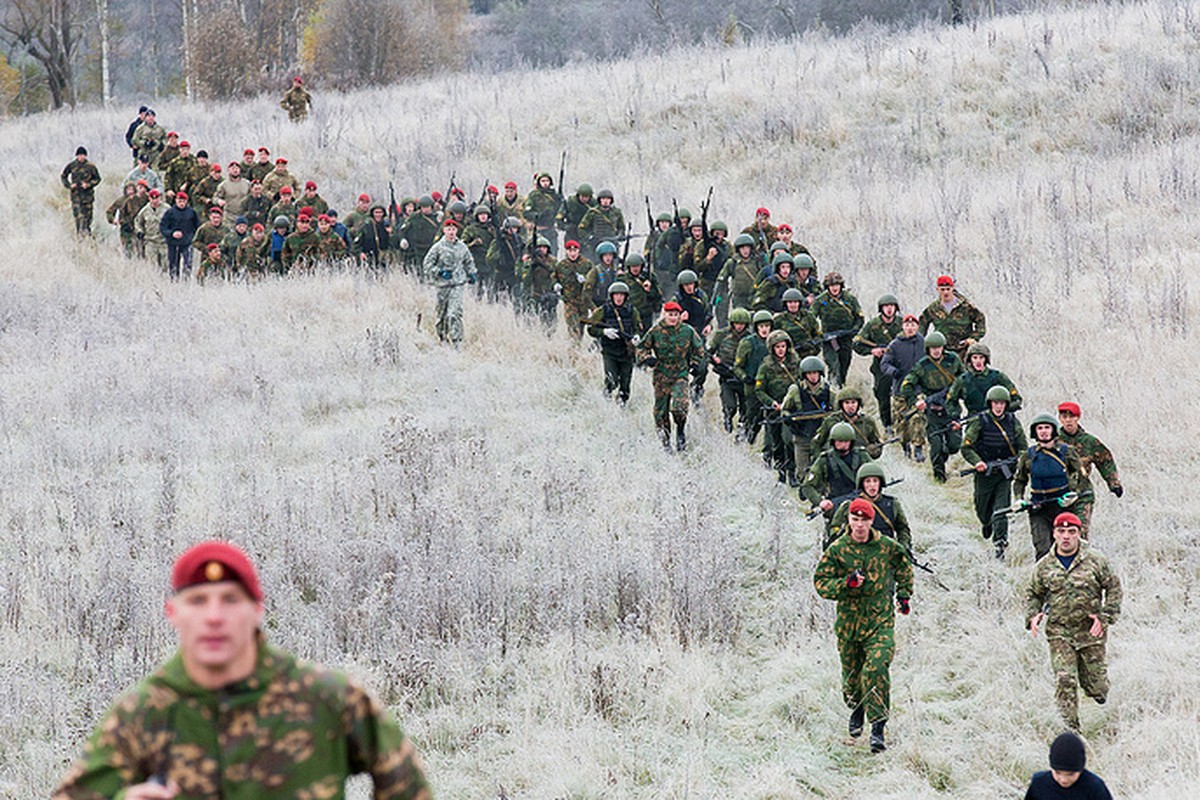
[855, 579]
[1118, 490]
[471, 279]
[902, 603]
[650, 362]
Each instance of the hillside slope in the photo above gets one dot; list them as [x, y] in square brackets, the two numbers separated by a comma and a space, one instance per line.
[553, 606]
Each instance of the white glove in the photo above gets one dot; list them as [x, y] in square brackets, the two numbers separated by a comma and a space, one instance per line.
[580, 277]
[404, 244]
[557, 287]
[636, 340]
[611, 333]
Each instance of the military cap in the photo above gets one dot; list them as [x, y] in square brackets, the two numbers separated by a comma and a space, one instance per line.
[310, 184]
[618, 287]
[805, 261]
[1067, 752]
[603, 193]
[282, 222]
[297, 79]
[762, 211]
[783, 226]
[832, 278]
[777, 246]
[241, 221]
[685, 277]
[762, 315]
[1069, 408]
[258, 226]
[453, 223]
[155, 193]
[792, 296]
[482, 209]
[141, 182]
[911, 318]
[812, 364]
[887, 300]
[862, 508]
[979, 349]
[181, 195]
[663, 217]
[364, 198]
[425, 201]
[606, 248]
[998, 394]
[584, 189]
[264, 150]
[671, 305]
[571, 244]
[144, 158]
[249, 151]
[935, 339]
[150, 112]
[217, 210]
[213, 562]
[307, 211]
[215, 168]
[510, 185]
[285, 190]
[778, 336]
[332, 213]
[945, 280]
[783, 257]
[739, 316]
[635, 260]
[871, 469]
[685, 214]
[171, 134]
[185, 143]
[213, 246]
[457, 207]
[437, 197]
[843, 432]
[201, 154]
[233, 164]
[719, 226]
[493, 190]
[1067, 518]
[743, 240]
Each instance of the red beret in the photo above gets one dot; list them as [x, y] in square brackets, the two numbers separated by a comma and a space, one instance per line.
[364, 198]
[281, 160]
[493, 190]
[450, 223]
[307, 211]
[285, 190]
[862, 508]
[215, 168]
[437, 196]
[212, 562]
[310, 184]
[264, 150]
[303, 218]
[155, 193]
[912, 317]
[141, 182]
[571, 244]
[762, 212]
[945, 280]
[1069, 408]
[249, 151]
[1067, 518]
[671, 305]
[510, 185]
[185, 143]
[184, 195]
[233, 164]
[298, 79]
[785, 227]
[172, 133]
[214, 246]
[324, 218]
[217, 210]
[258, 226]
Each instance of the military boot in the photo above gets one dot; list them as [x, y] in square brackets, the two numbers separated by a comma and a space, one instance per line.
[664, 436]
[877, 743]
[680, 436]
[727, 421]
[1001, 546]
[987, 533]
[856, 721]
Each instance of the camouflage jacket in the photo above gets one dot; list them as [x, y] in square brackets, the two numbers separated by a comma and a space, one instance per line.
[572, 213]
[206, 190]
[258, 209]
[145, 224]
[276, 180]
[209, 234]
[260, 171]
[832, 475]
[178, 174]
[230, 243]
[775, 376]
[802, 327]
[1069, 596]
[290, 730]
[972, 387]
[296, 101]
[602, 223]
[876, 333]
[252, 256]
[478, 238]
[964, 321]
[124, 211]
[83, 174]
[572, 275]
[1092, 452]
[865, 427]
[929, 377]
[330, 245]
[421, 231]
[315, 202]
[742, 275]
[769, 294]
[537, 276]
[678, 349]
[868, 608]
[889, 519]
[646, 301]
[300, 249]
[724, 342]
[541, 207]
[841, 313]
[150, 140]
[706, 267]
[763, 237]
[284, 208]
[448, 264]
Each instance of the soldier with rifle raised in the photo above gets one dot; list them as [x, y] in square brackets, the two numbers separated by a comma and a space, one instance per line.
[503, 256]
[644, 293]
[924, 389]
[992, 441]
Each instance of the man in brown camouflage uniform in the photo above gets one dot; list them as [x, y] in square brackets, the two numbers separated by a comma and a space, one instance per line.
[296, 101]
[954, 317]
[1077, 595]
[673, 349]
[232, 716]
[569, 276]
[1091, 451]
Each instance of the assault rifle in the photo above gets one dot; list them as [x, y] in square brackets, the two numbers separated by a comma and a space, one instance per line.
[927, 567]
[482, 197]
[723, 370]
[562, 171]
[649, 215]
[831, 337]
[628, 238]
[450, 189]
[1005, 466]
[707, 239]
[1065, 501]
[393, 211]
[837, 501]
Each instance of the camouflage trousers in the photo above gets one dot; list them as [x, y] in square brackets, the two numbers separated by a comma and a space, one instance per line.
[992, 493]
[909, 423]
[670, 400]
[156, 254]
[866, 660]
[1083, 510]
[1077, 665]
[81, 209]
[574, 316]
[449, 312]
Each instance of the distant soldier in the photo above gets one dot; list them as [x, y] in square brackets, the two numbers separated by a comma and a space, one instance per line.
[211, 265]
[313, 200]
[177, 177]
[1077, 595]
[709, 257]
[685, 258]
[573, 210]
[204, 196]
[122, 212]
[722, 349]
[603, 222]
[478, 236]
[954, 317]
[832, 475]
[785, 233]
[872, 340]
[296, 101]
[861, 571]
[644, 293]
[616, 324]
[373, 239]
[503, 256]
[232, 240]
[147, 232]
[448, 266]
[925, 389]
[900, 356]
[80, 177]
[807, 405]
[285, 207]
[132, 129]
[849, 409]
[541, 208]
[762, 232]
[1091, 452]
[673, 349]
[751, 352]
[889, 518]
[1052, 471]
[596, 284]
[841, 318]
[262, 167]
[537, 283]
[359, 215]
[302, 248]
[418, 234]
[169, 153]
[142, 172]
[253, 255]
[992, 442]
[768, 294]
[286, 728]
[212, 231]
[511, 203]
[738, 276]
[149, 139]
[777, 373]
[799, 322]
[570, 274]
[973, 385]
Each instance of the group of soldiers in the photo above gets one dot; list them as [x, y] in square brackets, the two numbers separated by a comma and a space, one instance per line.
[689, 302]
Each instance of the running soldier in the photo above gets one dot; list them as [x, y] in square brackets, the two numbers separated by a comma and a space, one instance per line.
[1053, 472]
[673, 349]
[1091, 452]
[722, 348]
[889, 519]
[149, 236]
[849, 410]
[872, 340]
[448, 266]
[800, 324]
[931, 377]
[992, 442]
[573, 210]
[973, 385]
[778, 372]
[80, 177]
[569, 276]
[616, 325]
[954, 317]
[841, 318]
[751, 352]
[296, 101]
[900, 356]
[540, 210]
[603, 222]
[807, 405]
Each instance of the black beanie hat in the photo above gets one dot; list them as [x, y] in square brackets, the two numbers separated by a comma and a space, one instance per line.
[1067, 753]
[81, 151]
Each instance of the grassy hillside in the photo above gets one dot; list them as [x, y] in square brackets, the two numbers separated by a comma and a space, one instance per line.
[554, 607]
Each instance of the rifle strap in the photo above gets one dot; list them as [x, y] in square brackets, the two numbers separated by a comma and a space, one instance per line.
[879, 512]
[941, 369]
[1012, 450]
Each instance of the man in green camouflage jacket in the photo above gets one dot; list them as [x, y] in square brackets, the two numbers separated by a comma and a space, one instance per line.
[674, 350]
[1091, 452]
[296, 101]
[954, 317]
[570, 274]
[872, 340]
[603, 222]
[973, 385]
[540, 209]
[931, 377]
[232, 716]
[573, 210]
[1077, 595]
[889, 520]
[849, 409]
[80, 177]
[861, 571]
[799, 323]
[839, 313]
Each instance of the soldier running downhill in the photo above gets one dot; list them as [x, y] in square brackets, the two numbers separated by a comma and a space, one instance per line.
[80, 177]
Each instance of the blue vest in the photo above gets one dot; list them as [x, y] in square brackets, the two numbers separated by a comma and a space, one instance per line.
[1047, 473]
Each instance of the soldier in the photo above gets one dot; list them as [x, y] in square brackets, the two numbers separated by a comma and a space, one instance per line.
[142, 172]
[841, 318]
[257, 208]
[779, 370]
[417, 235]
[596, 284]
[807, 405]
[1091, 451]
[694, 302]
[511, 203]
[751, 351]
[457, 211]
[278, 178]
[247, 164]
[80, 177]
[178, 226]
[170, 152]
[478, 236]
[872, 340]
[149, 138]
[448, 266]
[762, 232]
[122, 212]
[616, 325]
[785, 233]
[992, 441]
[1053, 471]
[211, 264]
[973, 385]
[296, 101]
[253, 255]
[287, 728]
[832, 476]
[537, 282]
[738, 276]
[503, 256]
[1077, 595]
[211, 232]
[279, 235]
[954, 317]
[931, 378]
[889, 518]
[1067, 777]
[132, 129]
[644, 293]
[799, 322]
[660, 250]
[722, 349]
[145, 228]
[373, 239]
[804, 273]
[769, 292]
[709, 257]
[570, 274]
[849, 409]
[685, 259]
[540, 209]
[861, 571]
[231, 194]
[285, 207]
[603, 222]
[177, 176]
[313, 200]
[300, 250]
[206, 187]
[232, 239]
[573, 210]
[900, 356]
[262, 167]
[338, 228]
[360, 215]
[673, 349]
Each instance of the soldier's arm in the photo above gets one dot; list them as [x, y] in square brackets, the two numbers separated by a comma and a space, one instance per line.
[1103, 460]
[377, 746]
[741, 356]
[814, 483]
[1021, 475]
[829, 578]
[864, 340]
[903, 572]
[1035, 597]
[970, 437]
[1110, 610]
[837, 526]
[1076, 480]
[980, 323]
[767, 401]
[909, 386]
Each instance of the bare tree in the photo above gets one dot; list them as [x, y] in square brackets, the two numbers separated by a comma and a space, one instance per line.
[105, 71]
[46, 30]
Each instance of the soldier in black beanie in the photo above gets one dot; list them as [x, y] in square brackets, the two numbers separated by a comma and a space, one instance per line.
[1067, 777]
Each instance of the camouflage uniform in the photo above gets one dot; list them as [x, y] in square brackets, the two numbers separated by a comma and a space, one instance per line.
[208, 234]
[145, 228]
[962, 322]
[972, 386]
[771, 385]
[122, 212]
[510, 208]
[841, 313]
[541, 208]
[879, 333]
[646, 301]
[537, 282]
[665, 258]
[206, 190]
[230, 242]
[1051, 471]
[448, 266]
[865, 617]
[330, 246]
[1091, 451]
[289, 730]
[178, 174]
[300, 250]
[866, 431]
[276, 180]
[572, 213]
[989, 438]
[723, 343]
[150, 140]
[802, 327]
[577, 303]
[85, 177]
[751, 352]
[260, 171]
[503, 256]
[253, 258]
[769, 293]
[685, 256]
[832, 476]
[601, 224]
[284, 208]
[296, 101]
[709, 268]
[889, 519]
[764, 236]
[808, 404]
[313, 201]
[1069, 595]
[678, 350]
[740, 277]
[258, 209]
[930, 378]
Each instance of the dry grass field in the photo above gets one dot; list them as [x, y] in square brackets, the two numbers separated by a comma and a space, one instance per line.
[552, 606]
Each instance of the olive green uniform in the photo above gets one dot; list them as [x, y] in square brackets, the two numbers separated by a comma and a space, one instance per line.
[807, 406]
[833, 475]
[751, 352]
[993, 439]
[878, 333]
[723, 343]
[571, 214]
[81, 179]
[145, 228]
[933, 378]
[866, 431]
[771, 386]
[540, 208]
[178, 174]
[601, 224]
[838, 314]
[253, 258]
[149, 140]
[300, 250]
[804, 329]
[972, 386]
[577, 303]
[296, 101]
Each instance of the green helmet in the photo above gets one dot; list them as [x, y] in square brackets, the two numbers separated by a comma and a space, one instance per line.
[997, 394]
[512, 222]
[482, 209]
[979, 349]
[282, 222]
[605, 248]
[763, 316]
[618, 286]
[585, 189]
[812, 364]
[935, 339]
[684, 213]
[783, 257]
[842, 432]
[778, 336]
[685, 277]
[542, 241]
[848, 393]
[719, 226]
[1043, 419]
[541, 175]
[805, 261]
[663, 217]
[635, 260]
[871, 469]
[777, 246]
[743, 240]
[605, 193]
[790, 295]
[457, 207]
[888, 300]
[425, 201]
[742, 316]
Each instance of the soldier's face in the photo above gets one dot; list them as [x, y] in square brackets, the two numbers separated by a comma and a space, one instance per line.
[744, 251]
[663, 224]
[909, 328]
[888, 311]
[605, 202]
[871, 486]
[451, 234]
[784, 270]
[544, 182]
[1043, 432]
[860, 526]
[850, 407]
[785, 235]
[697, 232]
[835, 289]
[323, 226]
[215, 623]
[936, 352]
[793, 306]
[946, 293]
[1066, 539]
[738, 327]
[763, 329]
[618, 299]
[812, 377]
[780, 350]
[1069, 422]
[509, 194]
[572, 253]
[671, 318]
[978, 362]
[998, 407]
[1064, 779]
